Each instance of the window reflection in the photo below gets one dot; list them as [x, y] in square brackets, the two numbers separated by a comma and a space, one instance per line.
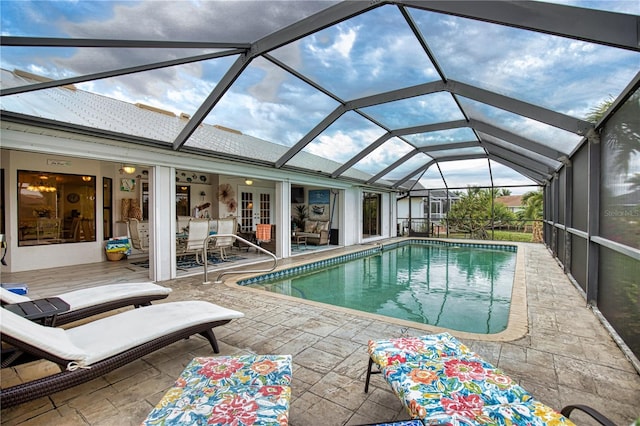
[55, 208]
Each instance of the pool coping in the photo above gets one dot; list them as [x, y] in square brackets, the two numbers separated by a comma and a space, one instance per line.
[518, 322]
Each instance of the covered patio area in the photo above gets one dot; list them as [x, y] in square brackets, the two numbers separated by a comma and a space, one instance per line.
[566, 357]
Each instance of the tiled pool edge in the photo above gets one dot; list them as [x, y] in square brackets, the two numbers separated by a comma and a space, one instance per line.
[517, 326]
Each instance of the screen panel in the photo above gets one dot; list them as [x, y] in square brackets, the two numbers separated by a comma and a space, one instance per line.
[579, 261]
[580, 170]
[620, 175]
[618, 295]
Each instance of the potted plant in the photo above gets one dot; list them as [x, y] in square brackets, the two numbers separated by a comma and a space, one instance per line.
[301, 216]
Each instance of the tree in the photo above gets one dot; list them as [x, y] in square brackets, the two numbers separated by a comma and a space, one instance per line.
[472, 213]
[621, 133]
[534, 203]
[599, 110]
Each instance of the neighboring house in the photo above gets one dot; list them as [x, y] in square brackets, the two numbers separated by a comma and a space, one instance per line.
[421, 208]
[513, 202]
[441, 202]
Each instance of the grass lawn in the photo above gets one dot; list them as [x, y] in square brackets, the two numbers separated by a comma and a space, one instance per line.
[523, 237]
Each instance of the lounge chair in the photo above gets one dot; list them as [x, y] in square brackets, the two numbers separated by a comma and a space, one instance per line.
[96, 300]
[98, 347]
[439, 380]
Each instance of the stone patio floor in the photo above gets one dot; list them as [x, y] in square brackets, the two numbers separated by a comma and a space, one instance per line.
[566, 357]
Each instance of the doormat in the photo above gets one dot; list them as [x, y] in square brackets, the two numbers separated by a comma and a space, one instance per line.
[189, 261]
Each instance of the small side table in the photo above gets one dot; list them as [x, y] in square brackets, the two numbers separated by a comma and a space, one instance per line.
[43, 310]
[299, 239]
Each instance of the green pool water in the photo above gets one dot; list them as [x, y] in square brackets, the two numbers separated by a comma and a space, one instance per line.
[458, 287]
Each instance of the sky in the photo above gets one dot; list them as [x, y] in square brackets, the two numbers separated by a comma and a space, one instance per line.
[362, 56]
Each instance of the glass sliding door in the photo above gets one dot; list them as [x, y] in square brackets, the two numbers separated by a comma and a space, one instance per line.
[371, 203]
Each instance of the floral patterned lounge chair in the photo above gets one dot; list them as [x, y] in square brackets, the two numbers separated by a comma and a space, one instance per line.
[441, 381]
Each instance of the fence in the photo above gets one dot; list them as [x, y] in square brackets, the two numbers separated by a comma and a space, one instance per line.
[519, 230]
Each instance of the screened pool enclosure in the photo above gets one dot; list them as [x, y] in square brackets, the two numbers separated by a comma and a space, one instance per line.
[383, 95]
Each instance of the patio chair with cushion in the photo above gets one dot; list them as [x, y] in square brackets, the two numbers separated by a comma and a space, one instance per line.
[96, 300]
[96, 348]
[266, 236]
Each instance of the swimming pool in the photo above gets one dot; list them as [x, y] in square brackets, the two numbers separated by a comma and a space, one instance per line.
[465, 287]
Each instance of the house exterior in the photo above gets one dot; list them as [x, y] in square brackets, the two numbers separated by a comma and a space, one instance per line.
[423, 208]
[78, 174]
[513, 202]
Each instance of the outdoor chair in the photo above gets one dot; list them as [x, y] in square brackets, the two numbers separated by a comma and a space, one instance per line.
[248, 236]
[139, 239]
[99, 347]
[198, 233]
[439, 380]
[220, 244]
[96, 300]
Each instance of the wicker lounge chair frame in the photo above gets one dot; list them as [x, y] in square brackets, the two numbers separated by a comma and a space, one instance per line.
[38, 388]
[135, 300]
[68, 378]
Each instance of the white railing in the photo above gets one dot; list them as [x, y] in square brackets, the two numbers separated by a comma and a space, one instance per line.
[237, 238]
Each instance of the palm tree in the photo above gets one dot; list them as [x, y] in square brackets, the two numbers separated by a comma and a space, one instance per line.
[599, 110]
[620, 135]
[534, 203]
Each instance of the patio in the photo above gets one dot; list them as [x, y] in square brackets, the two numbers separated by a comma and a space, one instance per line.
[567, 356]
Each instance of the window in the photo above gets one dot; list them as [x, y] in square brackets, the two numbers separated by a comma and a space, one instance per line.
[371, 214]
[183, 200]
[436, 207]
[107, 207]
[55, 208]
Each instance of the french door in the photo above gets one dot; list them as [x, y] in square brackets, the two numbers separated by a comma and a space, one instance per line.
[256, 206]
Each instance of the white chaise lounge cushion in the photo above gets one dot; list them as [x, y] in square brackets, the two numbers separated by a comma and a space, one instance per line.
[85, 297]
[93, 296]
[7, 296]
[49, 339]
[112, 335]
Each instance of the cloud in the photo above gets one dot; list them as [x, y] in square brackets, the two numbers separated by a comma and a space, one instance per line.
[360, 56]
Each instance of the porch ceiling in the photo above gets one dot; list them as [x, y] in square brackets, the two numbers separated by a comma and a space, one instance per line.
[384, 93]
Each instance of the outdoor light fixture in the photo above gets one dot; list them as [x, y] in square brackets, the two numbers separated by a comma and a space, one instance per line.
[248, 181]
[128, 169]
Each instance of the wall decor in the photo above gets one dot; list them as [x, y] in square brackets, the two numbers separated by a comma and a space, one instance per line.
[319, 204]
[127, 185]
[183, 176]
[225, 193]
[73, 198]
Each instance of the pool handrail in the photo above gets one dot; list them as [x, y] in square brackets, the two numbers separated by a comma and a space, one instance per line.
[237, 238]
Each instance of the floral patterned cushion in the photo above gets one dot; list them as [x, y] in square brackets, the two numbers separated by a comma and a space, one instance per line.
[404, 349]
[440, 381]
[242, 390]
